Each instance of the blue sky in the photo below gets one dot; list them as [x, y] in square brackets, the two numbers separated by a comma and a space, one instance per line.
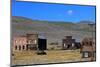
[53, 12]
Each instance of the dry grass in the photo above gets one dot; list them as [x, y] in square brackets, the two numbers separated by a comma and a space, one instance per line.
[53, 56]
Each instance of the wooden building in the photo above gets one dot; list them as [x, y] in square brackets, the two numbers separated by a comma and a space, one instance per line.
[32, 41]
[42, 44]
[88, 48]
[68, 43]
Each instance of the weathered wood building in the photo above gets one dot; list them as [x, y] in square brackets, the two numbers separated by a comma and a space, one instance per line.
[68, 43]
[32, 41]
[88, 48]
[42, 44]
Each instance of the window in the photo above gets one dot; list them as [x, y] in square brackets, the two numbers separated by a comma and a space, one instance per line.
[23, 47]
[29, 41]
[94, 54]
[19, 47]
[90, 43]
[73, 44]
[64, 44]
[86, 54]
[15, 47]
[35, 41]
[87, 43]
[15, 41]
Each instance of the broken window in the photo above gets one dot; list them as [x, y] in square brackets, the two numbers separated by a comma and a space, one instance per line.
[23, 47]
[15, 47]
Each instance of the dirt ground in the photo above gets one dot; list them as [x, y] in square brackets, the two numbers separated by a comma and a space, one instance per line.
[53, 56]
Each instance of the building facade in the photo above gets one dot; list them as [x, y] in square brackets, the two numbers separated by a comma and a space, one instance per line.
[88, 48]
[32, 41]
[28, 42]
[19, 43]
[68, 43]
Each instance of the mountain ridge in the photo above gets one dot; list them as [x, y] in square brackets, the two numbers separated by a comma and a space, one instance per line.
[54, 31]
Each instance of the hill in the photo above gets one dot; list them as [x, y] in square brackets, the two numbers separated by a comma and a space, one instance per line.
[53, 31]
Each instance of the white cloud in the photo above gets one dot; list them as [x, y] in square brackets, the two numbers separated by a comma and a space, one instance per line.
[70, 12]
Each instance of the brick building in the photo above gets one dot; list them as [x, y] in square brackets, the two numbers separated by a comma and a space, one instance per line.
[27, 42]
[19, 43]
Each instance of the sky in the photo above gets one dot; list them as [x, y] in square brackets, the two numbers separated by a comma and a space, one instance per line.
[53, 12]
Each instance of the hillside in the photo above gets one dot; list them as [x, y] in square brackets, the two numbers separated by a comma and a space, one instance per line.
[53, 31]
